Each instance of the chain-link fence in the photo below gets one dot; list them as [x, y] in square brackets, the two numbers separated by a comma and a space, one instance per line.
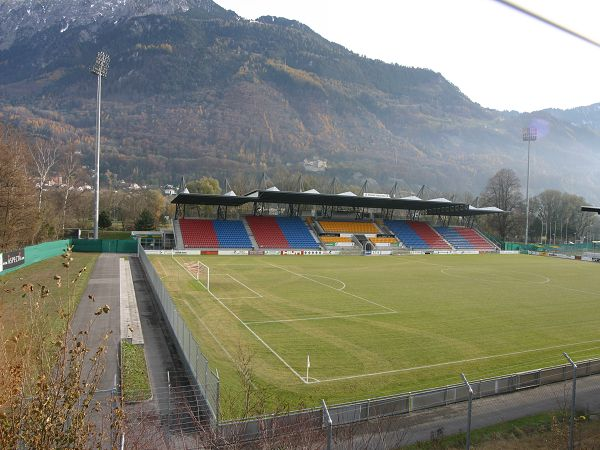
[207, 382]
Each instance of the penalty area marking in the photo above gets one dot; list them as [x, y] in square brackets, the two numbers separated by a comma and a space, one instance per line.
[545, 279]
[449, 363]
[261, 340]
[321, 318]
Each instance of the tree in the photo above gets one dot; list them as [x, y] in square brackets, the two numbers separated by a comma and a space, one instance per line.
[18, 216]
[503, 190]
[205, 185]
[104, 220]
[44, 155]
[69, 167]
[146, 221]
[559, 216]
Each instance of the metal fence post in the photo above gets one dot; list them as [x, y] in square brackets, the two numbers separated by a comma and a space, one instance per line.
[329, 423]
[169, 403]
[217, 411]
[114, 405]
[469, 410]
[572, 421]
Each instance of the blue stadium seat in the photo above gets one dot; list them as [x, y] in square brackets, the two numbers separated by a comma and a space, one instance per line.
[296, 232]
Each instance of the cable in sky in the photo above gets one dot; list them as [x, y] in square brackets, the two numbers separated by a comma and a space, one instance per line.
[548, 22]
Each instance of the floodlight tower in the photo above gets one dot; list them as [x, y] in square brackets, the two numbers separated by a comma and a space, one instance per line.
[529, 134]
[100, 69]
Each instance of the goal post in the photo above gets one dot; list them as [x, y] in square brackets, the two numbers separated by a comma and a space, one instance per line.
[197, 270]
[203, 275]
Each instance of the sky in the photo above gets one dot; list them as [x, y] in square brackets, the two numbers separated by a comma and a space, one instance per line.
[498, 57]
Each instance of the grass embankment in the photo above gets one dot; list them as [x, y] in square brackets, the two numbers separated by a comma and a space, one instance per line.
[543, 431]
[136, 385]
[36, 302]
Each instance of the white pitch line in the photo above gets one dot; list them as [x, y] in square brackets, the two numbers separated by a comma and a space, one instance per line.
[256, 335]
[577, 290]
[238, 281]
[468, 276]
[322, 318]
[239, 298]
[332, 279]
[330, 287]
[448, 363]
[193, 311]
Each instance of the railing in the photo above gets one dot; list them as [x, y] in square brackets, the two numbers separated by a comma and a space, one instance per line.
[375, 408]
[196, 363]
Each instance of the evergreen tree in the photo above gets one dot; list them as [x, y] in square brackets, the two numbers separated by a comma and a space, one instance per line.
[145, 222]
[104, 220]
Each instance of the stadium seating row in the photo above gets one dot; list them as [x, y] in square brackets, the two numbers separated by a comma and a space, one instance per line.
[383, 240]
[293, 232]
[464, 238]
[349, 227]
[417, 235]
[202, 233]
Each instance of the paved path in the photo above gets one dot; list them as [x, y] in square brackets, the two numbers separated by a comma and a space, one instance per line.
[161, 356]
[423, 425]
[103, 284]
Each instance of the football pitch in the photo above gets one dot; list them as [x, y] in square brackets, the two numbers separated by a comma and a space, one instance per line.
[375, 326]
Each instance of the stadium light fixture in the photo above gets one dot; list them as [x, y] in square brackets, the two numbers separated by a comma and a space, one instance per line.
[529, 134]
[100, 69]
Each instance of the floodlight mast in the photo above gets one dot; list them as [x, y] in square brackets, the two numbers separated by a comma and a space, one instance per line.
[100, 69]
[529, 134]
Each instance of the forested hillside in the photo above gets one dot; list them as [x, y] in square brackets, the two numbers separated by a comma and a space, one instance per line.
[203, 91]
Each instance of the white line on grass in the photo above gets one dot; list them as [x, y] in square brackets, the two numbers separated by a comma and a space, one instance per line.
[449, 363]
[193, 311]
[238, 281]
[326, 285]
[332, 279]
[470, 276]
[577, 290]
[253, 333]
[322, 318]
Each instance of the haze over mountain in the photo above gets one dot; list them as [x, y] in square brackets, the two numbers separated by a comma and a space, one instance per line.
[194, 89]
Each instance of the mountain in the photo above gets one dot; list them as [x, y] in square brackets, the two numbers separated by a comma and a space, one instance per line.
[24, 18]
[194, 89]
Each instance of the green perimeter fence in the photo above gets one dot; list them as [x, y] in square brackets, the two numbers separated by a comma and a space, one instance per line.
[563, 249]
[40, 252]
[36, 253]
[105, 245]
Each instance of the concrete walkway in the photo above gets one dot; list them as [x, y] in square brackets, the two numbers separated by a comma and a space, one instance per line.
[161, 356]
[104, 286]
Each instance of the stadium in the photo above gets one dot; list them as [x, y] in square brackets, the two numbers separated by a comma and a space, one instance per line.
[294, 288]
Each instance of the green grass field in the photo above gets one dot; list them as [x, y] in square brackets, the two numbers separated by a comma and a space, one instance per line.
[375, 326]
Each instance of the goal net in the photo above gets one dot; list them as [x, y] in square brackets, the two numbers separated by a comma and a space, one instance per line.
[198, 270]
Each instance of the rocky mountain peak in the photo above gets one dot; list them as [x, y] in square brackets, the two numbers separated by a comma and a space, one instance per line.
[24, 18]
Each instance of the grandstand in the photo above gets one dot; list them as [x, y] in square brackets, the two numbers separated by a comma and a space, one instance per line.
[205, 233]
[281, 232]
[326, 229]
[462, 238]
[417, 235]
